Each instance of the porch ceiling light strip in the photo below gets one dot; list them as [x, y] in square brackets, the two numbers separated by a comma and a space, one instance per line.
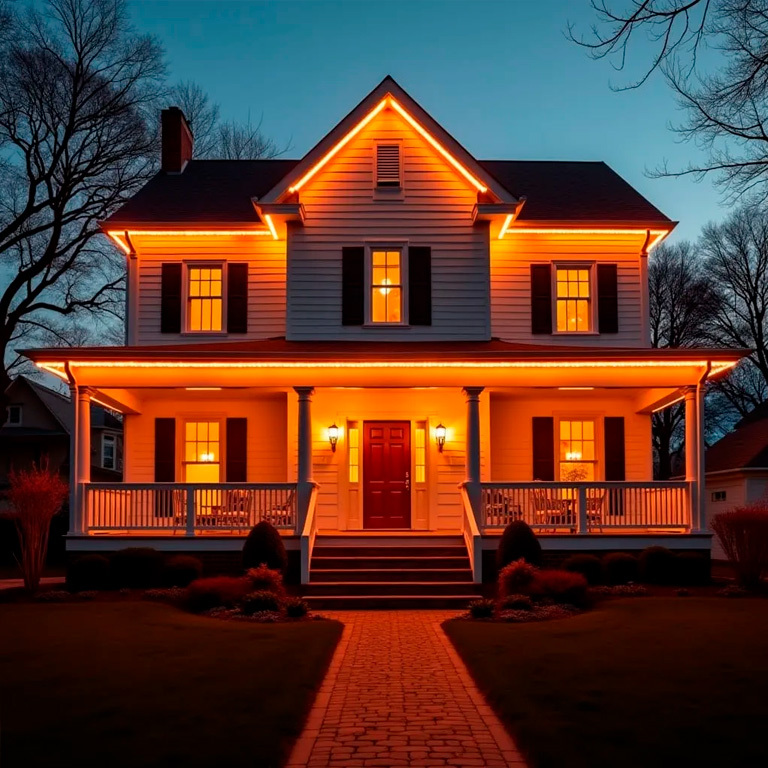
[117, 235]
[657, 234]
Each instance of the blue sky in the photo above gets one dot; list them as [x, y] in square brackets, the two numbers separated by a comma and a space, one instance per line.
[499, 75]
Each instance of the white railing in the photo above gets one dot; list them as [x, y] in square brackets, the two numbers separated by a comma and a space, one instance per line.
[587, 507]
[308, 536]
[472, 537]
[184, 508]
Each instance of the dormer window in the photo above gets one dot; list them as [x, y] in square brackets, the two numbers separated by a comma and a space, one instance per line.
[388, 165]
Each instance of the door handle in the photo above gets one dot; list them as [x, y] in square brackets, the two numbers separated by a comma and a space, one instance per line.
[407, 481]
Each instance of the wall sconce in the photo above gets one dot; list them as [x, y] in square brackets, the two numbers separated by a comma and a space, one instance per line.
[440, 432]
[333, 436]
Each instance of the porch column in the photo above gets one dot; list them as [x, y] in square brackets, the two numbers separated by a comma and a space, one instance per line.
[702, 475]
[82, 458]
[692, 466]
[473, 449]
[305, 483]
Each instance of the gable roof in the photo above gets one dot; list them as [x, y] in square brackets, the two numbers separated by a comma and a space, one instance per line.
[746, 447]
[55, 403]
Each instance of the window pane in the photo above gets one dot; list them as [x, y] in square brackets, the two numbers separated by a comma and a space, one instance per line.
[573, 299]
[393, 306]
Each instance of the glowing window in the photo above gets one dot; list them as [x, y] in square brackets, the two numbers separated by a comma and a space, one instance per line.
[420, 461]
[386, 287]
[577, 451]
[573, 299]
[205, 298]
[201, 451]
[354, 454]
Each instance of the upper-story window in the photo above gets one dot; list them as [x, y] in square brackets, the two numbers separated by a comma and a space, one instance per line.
[573, 299]
[388, 165]
[14, 416]
[204, 298]
[386, 286]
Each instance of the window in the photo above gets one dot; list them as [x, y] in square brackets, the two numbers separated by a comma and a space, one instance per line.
[577, 451]
[574, 310]
[205, 293]
[718, 495]
[354, 454]
[386, 287]
[14, 416]
[202, 455]
[420, 459]
[108, 452]
[387, 165]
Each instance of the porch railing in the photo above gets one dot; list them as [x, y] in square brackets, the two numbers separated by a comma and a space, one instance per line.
[587, 507]
[184, 508]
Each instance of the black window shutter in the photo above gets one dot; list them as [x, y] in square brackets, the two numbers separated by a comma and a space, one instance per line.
[615, 469]
[544, 448]
[541, 298]
[420, 285]
[165, 450]
[237, 298]
[353, 285]
[607, 298]
[170, 298]
[237, 450]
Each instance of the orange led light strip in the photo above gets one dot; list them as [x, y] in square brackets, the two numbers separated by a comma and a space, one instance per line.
[659, 234]
[271, 225]
[505, 225]
[117, 235]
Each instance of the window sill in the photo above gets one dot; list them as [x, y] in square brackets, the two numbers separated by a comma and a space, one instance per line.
[205, 334]
[576, 333]
[386, 325]
[388, 193]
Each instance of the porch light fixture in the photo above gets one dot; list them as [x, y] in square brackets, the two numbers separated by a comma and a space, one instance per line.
[440, 432]
[333, 436]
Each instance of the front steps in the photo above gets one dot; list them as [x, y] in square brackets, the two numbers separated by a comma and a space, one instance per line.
[390, 572]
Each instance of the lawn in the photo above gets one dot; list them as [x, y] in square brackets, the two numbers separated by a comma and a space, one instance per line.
[635, 683]
[143, 684]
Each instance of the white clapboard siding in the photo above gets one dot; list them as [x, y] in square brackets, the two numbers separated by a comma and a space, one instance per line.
[266, 284]
[343, 208]
[511, 284]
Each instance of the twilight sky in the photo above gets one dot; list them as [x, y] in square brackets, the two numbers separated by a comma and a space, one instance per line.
[499, 75]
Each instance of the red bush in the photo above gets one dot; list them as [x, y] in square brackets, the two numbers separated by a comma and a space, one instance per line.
[743, 534]
[265, 579]
[515, 578]
[217, 592]
[560, 586]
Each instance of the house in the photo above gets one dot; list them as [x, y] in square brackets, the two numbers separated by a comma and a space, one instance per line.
[737, 468]
[389, 349]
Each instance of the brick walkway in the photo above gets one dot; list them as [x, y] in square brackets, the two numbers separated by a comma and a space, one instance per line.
[397, 693]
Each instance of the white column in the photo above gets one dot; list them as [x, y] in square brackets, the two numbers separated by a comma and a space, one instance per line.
[472, 478]
[701, 471]
[692, 466]
[83, 456]
[74, 498]
[305, 483]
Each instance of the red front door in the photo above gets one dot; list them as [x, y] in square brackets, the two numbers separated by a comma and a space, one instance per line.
[387, 474]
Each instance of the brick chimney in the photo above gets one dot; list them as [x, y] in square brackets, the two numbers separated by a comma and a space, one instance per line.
[177, 140]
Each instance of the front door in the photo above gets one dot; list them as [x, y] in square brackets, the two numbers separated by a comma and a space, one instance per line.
[387, 474]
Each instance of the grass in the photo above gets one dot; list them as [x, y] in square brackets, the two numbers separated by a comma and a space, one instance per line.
[634, 683]
[144, 684]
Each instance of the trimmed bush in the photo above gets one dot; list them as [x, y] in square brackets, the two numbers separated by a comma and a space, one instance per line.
[137, 568]
[481, 609]
[619, 568]
[264, 547]
[295, 607]
[515, 578]
[182, 570]
[692, 569]
[743, 534]
[560, 586]
[216, 592]
[658, 565]
[264, 579]
[516, 603]
[256, 602]
[518, 542]
[589, 566]
[88, 572]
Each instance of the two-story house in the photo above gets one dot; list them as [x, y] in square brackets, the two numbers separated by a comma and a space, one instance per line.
[386, 343]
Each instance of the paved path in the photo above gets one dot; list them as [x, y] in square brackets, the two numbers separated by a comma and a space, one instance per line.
[397, 694]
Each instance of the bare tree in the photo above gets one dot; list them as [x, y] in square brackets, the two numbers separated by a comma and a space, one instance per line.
[77, 139]
[724, 97]
[201, 113]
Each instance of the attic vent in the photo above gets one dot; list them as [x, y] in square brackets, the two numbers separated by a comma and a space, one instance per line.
[388, 165]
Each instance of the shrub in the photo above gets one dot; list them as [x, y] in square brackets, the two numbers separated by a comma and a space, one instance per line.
[515, 578]
[743, 534]
[36, 495]
[692, 569]
[619, 568]
[559, 586]
[589, 566]
[295, 607]
[137, 568]
[257, 602]
[481, 609]
[216, 592]
[266, 580]
[516, 603]
[657, 565]
[181, 570]
[518, 542]
[88, 572]
[264, 547]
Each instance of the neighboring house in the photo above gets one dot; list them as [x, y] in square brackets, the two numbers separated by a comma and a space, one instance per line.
[737, 468]
[39, 426]
[386, 342]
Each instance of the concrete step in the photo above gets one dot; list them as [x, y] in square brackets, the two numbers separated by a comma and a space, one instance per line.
[390, 574]
[387, 602]
[378, 561]
[430, 588]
